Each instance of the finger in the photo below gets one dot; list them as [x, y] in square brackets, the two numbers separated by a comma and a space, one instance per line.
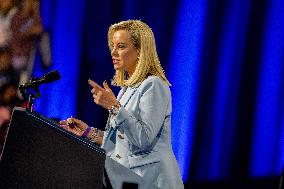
[73, 122]
[70, 120]
[65, 127]
[80, 124]
[96, 101]
[63, 122]
[77, 121]
[93, 91]
[95, 85]
[107, 88]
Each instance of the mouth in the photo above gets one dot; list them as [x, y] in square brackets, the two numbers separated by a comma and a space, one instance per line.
[115, 61]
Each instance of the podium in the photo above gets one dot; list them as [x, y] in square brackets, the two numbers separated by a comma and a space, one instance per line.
[39, 154]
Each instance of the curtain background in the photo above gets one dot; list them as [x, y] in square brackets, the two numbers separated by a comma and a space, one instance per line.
[224, 59]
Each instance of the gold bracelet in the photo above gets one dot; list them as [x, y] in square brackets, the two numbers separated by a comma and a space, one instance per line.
[94, 135]
[114, 109]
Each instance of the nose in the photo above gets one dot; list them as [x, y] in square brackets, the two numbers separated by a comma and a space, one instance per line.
[114, 52]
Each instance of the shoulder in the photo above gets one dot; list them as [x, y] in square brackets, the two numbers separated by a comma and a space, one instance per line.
[154, 83]
[153, 79]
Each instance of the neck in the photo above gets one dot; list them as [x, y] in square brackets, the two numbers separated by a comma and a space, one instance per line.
[130, 72]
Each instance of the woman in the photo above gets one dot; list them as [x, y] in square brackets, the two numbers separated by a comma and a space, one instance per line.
[8, 9]
[138, 129]
[26, 30]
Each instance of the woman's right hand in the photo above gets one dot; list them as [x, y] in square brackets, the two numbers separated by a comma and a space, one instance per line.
[74, 126]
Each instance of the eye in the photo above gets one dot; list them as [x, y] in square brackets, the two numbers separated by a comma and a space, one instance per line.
[121, 46]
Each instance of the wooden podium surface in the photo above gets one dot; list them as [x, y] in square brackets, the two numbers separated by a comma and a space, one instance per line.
[39, 154]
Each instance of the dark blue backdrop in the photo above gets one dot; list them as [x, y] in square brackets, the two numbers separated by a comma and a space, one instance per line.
[225, 60]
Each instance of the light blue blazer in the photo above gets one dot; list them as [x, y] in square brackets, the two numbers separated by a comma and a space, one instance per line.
[139, 137]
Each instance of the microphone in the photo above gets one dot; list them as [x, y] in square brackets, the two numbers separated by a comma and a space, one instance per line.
[35, 82]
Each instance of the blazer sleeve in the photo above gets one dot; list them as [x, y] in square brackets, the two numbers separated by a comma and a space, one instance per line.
[142, 128]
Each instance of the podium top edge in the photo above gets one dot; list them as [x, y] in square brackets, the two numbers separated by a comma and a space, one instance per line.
[53, 124]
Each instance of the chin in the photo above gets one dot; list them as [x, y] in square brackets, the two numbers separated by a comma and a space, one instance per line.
[116, 67]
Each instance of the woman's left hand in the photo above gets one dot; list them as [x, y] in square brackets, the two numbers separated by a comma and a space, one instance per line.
[74, 126]
[103, 96]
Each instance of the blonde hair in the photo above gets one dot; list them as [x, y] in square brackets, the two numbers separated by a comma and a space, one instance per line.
[148, 64]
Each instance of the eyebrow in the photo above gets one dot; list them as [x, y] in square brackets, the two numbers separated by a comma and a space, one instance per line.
[112, 44]
[118, 42]
[121, 43]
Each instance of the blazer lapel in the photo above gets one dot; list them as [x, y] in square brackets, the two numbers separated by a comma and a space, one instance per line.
[111, 135]
[121, 92]
[128, 97]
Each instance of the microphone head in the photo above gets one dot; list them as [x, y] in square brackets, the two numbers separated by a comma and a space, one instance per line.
[51, 76]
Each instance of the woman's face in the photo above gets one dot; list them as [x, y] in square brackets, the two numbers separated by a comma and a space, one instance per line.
[124, 54]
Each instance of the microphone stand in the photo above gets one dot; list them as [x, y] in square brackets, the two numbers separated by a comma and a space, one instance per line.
[281, 183]
[30, 103]
[32, 99]
[31, 96]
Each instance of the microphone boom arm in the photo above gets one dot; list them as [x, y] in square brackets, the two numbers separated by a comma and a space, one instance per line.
[34, 84]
